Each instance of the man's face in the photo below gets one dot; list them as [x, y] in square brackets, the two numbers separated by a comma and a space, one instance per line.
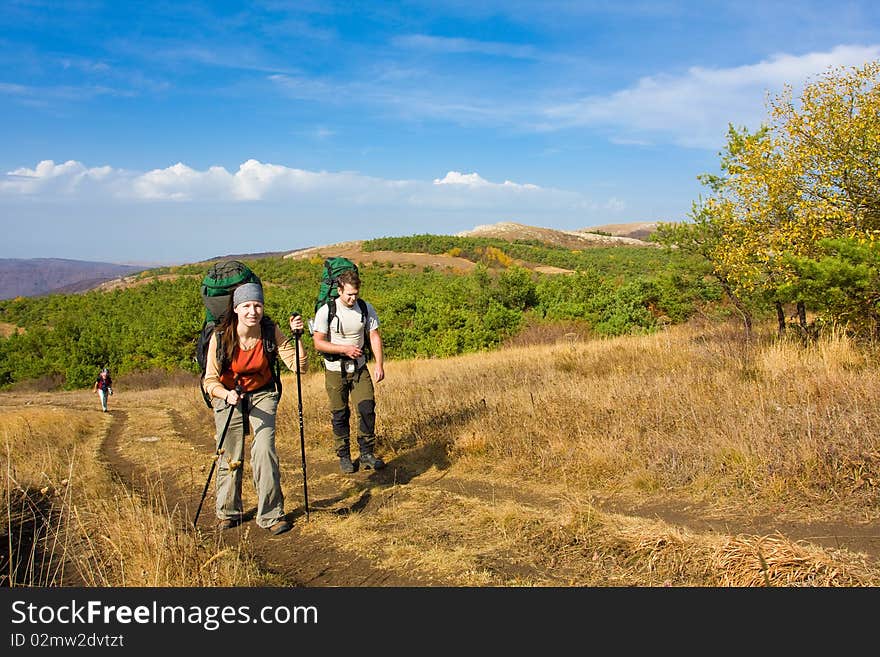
[349, 294]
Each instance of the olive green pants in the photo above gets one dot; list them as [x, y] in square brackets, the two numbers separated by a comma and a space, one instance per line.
[356, 388]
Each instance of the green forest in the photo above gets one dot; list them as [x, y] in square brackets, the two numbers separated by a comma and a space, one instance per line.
[425, 313]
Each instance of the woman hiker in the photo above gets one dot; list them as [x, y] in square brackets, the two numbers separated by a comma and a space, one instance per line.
[243, 383]
[104, 387]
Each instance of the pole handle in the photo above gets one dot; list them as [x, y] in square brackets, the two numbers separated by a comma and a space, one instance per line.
[292, 315]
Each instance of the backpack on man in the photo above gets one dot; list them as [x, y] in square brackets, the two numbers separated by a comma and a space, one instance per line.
[217, 286]
[328, 293]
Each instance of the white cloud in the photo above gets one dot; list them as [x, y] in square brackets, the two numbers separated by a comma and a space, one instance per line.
[322, 133]
[475, 180]
[614, 205]
[69, 209]
[174, 183]
[691, 108]
[14, 89]
[306, 88]
[457, 178]
[254, 181]
[458, 45]
[342, 193]
[695, 108]
[65, 178]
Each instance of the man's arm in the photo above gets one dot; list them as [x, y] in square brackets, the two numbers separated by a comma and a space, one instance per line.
[376, 345]
[323, 344]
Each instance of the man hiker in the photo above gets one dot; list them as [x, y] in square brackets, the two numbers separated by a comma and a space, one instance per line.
[104, 387]
[343, 341]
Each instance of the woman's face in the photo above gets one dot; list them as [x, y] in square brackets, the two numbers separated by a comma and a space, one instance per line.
[249, 313]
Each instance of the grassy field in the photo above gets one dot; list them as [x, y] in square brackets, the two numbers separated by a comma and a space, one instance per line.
[685, 458]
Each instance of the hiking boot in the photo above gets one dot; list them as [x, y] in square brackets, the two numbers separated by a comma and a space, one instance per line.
[279, 527]
[370, 461]
[226, 523]
[346, 465]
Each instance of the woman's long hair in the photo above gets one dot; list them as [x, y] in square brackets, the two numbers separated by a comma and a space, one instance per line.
[228, 335]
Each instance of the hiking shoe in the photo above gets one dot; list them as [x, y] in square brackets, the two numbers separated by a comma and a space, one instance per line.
[346, 465]
[280, 527]
[226, 523]
[370, 461]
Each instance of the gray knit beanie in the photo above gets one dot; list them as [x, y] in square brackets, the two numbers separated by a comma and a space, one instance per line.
[247, 292]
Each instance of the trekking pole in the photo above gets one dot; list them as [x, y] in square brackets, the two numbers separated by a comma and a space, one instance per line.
[216, 456]
[302, 440]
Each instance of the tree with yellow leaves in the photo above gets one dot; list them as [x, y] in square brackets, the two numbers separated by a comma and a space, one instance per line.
[810, 175]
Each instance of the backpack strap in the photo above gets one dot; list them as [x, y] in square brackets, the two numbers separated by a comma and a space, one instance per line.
[331, 314]
[222, 360]
[270, 348]
[368, 352]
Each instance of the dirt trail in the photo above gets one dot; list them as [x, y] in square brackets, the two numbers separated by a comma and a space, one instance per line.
[297, 559]
[149, 440]
[300, 559]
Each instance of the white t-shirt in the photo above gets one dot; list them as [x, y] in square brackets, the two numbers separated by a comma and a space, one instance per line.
[347, 329]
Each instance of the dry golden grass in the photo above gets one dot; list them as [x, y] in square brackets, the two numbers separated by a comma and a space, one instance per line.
[676, 412]
[522, 467]
[687, 417]
[69, 522]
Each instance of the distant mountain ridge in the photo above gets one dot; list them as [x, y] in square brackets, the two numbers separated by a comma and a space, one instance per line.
[31, 277]
[38, 276]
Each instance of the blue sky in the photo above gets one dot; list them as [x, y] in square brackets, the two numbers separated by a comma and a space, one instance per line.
[169, 132]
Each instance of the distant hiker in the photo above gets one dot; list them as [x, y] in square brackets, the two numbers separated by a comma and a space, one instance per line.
[249, 345]
[341, 329]
[104, 387]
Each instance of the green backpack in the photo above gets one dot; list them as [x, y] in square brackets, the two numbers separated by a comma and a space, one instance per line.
[217, 286]
[329, 289]
[328, 292]
[220, 281]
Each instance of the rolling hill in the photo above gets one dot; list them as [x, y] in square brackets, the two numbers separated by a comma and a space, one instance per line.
[30, 277]
[572, 239]
[640, 230]
[37, 276]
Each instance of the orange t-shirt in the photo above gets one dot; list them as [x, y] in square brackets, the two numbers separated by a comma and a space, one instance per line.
[251, 367]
